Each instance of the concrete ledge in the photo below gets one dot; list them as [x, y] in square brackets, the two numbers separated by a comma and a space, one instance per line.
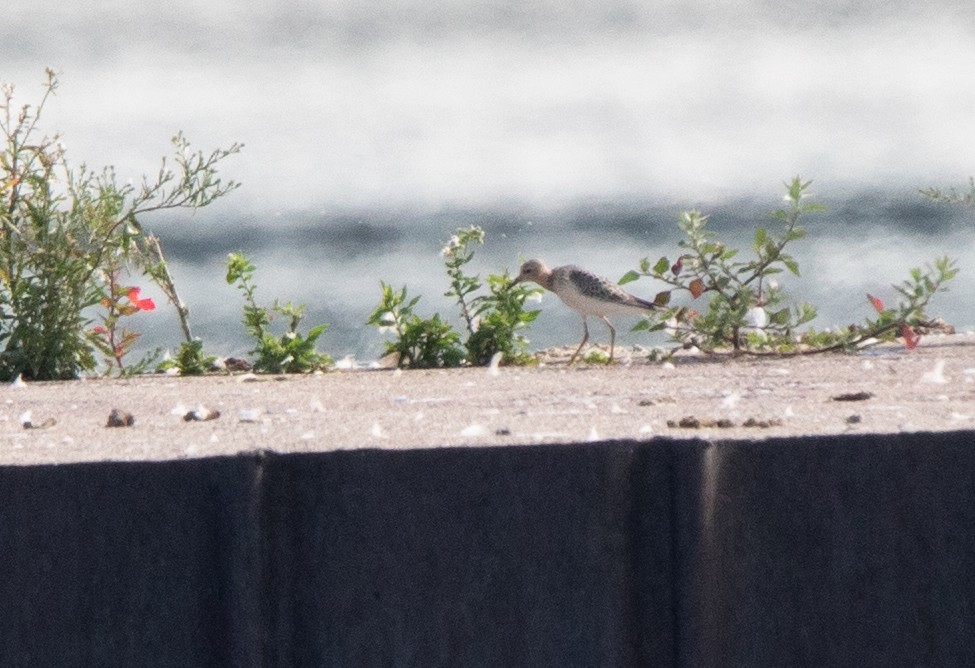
[815, 551]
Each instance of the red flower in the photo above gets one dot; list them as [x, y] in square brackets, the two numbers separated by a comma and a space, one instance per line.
[98, 329]
[140, 304]
[876, 303]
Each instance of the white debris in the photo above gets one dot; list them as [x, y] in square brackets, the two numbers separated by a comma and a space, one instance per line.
[593, 434]
[179, 410]
[377, 431]
[316, 405]
[474, 431]
[249, 415]
[757, 320]
[935, 375]
[494, 368]
[18, 383]
[731, 400]
[347, 363]
[25, 417]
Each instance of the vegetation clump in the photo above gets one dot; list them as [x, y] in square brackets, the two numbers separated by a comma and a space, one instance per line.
[69, 235]
[290, 352]
[494, 322]
[746, 311]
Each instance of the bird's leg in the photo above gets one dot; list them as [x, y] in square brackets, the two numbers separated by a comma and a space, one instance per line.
[612, 338]
[585, 337]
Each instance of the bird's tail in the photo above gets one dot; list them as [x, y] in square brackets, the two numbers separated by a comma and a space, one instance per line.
[650, 306]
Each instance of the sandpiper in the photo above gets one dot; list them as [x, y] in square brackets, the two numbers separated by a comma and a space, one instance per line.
[587, 294]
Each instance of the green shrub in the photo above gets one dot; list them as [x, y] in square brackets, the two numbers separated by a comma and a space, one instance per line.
[746, 312]
[67, 233]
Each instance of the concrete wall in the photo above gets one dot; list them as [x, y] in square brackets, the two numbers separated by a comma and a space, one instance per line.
[857, 550]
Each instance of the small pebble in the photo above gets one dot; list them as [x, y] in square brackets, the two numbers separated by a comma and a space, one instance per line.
[201, 414]
[119, 418]
[27, 423]
[853, 396]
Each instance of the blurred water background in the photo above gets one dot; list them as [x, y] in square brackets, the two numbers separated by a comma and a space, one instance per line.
[571, 131]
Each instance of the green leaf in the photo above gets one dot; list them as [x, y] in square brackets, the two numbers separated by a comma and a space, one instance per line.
[663, 264]
[761, 238]
[315, 332]
[629, 277]
[780, 317]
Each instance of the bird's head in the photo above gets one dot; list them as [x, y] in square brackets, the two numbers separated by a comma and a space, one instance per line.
[535, 271]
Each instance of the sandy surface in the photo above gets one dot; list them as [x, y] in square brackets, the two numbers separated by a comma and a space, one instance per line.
[931, 388]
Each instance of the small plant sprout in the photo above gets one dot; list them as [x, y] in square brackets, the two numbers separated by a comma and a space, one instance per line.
[952, 196]
[419, 343]
[745, 310]
[288, 353]
[494, 322]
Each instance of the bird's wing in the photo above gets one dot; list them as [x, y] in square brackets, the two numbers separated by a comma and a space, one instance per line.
[591, 285]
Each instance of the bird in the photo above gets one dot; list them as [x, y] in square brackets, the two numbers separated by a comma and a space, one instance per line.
[586, 293]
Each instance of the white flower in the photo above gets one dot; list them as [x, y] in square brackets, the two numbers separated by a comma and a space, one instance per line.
[451, 246]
